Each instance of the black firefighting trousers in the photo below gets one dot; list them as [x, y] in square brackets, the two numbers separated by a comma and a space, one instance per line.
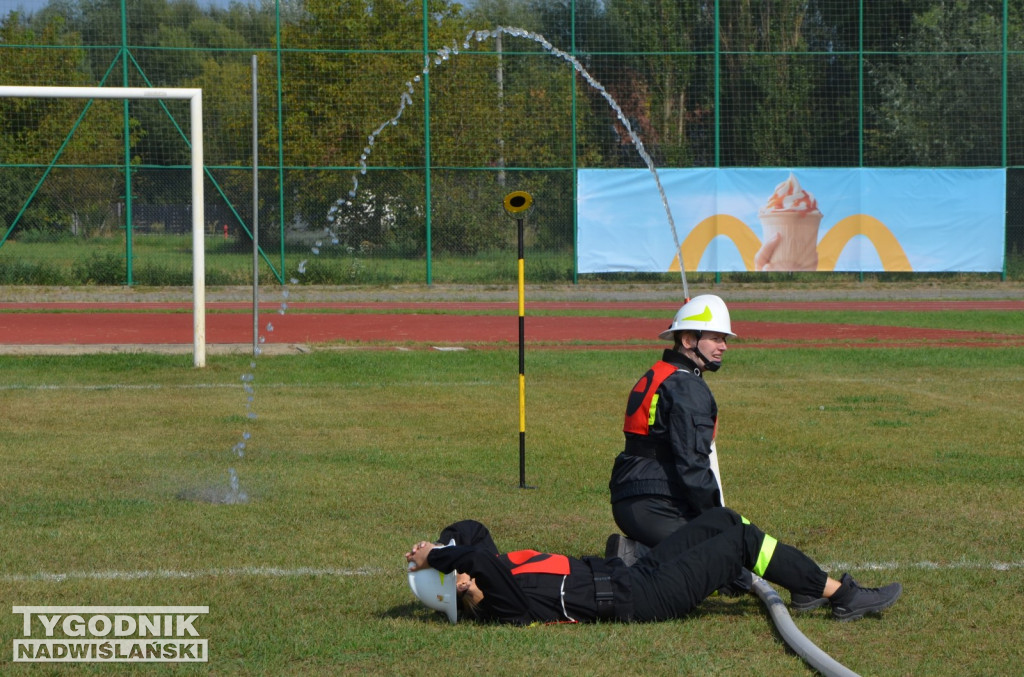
[709, 552]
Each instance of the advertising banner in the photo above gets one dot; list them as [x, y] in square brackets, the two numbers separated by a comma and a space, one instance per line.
[850, 219]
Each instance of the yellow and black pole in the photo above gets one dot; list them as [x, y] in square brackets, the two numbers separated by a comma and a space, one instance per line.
[516, 204]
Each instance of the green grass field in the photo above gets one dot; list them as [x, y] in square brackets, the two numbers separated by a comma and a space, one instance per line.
[163, 260]
[893, 464]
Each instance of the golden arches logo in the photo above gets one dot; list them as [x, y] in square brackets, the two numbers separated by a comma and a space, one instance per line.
[894, 259]
[700, 237]
[891, 253]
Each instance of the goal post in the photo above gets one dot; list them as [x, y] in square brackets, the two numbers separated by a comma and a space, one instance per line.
[195, 99]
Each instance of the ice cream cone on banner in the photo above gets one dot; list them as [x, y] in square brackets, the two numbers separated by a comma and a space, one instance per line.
[798, 239]
[790, 220]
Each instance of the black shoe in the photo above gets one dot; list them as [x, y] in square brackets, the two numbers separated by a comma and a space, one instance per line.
[624, 548]
[739, 586]
[851, 601]
[801, 603]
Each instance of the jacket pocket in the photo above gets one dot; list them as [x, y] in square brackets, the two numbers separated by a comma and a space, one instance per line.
[704, 429]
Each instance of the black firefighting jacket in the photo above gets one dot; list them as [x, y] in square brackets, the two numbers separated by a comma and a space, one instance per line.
[668, 438]
[526, 586]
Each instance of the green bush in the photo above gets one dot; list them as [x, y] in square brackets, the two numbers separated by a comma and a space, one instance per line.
[101, 269]
[33, 273]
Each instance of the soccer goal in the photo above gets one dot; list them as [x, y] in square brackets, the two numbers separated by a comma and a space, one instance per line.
[195, 99]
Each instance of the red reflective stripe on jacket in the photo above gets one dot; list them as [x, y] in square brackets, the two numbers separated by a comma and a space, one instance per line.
[533, 562]
[638, 407]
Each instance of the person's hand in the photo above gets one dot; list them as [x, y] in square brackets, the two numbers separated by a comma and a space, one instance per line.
[417, 557]
[763, 258]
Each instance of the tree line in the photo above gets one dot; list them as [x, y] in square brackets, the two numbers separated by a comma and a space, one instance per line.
[703, 83]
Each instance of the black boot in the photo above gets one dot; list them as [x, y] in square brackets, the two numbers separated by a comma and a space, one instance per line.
[851, 601]
[801, 603]
[626, 549]
[739, 586]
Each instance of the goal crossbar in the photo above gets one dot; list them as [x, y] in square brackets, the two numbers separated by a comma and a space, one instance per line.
[195, 99]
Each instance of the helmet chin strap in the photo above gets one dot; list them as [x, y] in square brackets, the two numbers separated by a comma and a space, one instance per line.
[709, 365]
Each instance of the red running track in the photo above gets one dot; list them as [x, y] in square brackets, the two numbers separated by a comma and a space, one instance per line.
[452, 323]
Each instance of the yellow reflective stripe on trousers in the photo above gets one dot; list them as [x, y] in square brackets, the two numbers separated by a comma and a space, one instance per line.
[765, 556]
[767, 550]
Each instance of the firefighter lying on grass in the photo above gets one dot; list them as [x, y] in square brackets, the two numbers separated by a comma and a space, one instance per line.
[469, 578]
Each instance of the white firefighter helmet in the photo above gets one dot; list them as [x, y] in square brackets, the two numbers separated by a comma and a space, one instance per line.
[436, 590]
[706, 312]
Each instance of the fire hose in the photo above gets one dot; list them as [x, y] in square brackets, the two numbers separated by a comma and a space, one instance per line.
[791, 635]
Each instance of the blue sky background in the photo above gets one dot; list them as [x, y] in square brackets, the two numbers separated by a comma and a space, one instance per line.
[944, 219]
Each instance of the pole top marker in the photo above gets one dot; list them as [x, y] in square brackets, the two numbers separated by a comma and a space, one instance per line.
[517, 202]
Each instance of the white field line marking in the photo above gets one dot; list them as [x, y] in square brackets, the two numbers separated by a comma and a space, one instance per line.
[928, 566]
[276, 572]
[234, 572]
[119, 386]
[210, 386]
